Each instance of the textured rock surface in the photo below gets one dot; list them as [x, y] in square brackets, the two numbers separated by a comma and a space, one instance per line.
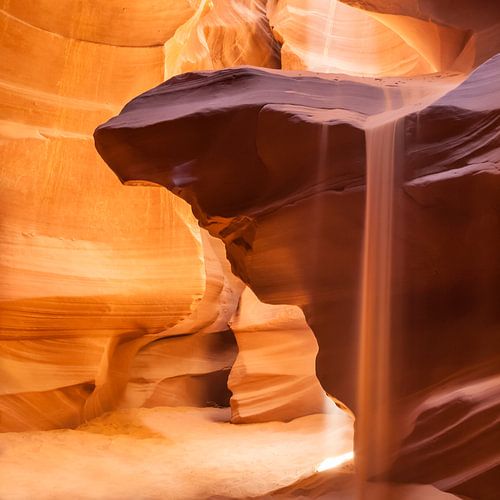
[92, 271]
[330, 37]
[111, 296]
[221, 34]
[279, 248]
[187, 359]
[273, 377]
[482, 21]
[341, 485]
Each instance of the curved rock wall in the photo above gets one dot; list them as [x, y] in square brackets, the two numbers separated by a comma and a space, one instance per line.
[222, 34]
[106, 288]
[331, 37]
[479, 21]
[92, 271]
[299, 241]
[273, 377]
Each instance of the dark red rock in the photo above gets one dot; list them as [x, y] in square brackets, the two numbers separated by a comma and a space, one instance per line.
[243, 146]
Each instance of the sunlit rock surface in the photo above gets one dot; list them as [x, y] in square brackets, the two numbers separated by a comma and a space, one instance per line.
[91, 271]
[112, 297]
[273, 377]
[299, 240]
[221, 34]
[481, 21]
[331, 37]
[377, 38]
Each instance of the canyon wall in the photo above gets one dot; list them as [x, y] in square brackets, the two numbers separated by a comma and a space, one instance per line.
[113, 296]
[294, 217]
[97, 277]
[93, 271]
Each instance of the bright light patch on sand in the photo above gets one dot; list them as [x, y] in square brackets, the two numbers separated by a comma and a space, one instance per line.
[176, 453]
[332, 462]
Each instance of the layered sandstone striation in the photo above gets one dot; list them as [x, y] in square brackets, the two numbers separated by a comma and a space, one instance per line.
[332, 37]
[115, 296]
[481, 21]
[299, 241]
[222, 34]
[273, 377]
[93, 271]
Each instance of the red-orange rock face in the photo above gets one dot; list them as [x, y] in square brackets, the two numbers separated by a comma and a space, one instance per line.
[292, 218]
[345, 236]
[93, 271]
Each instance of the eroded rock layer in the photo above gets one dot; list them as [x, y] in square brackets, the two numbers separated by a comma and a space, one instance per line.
[273, 377]
[299, 240]
[330, 37]
[112, 297]
[92, 271]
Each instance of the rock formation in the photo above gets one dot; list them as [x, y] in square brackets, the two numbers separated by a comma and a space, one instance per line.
[273, 376]
[332, 37]
[300, 239]
[92, 271]
[350, 216]
[221, 34]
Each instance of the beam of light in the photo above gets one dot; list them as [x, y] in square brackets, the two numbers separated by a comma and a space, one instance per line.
[332, 462]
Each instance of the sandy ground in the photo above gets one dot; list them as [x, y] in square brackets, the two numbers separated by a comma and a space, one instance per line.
[187, 453]
[341, 484]
[167, 453]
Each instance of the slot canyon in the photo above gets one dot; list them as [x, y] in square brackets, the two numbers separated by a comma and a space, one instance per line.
[250, 249]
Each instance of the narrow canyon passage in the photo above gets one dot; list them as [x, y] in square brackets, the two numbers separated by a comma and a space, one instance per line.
[249, 249]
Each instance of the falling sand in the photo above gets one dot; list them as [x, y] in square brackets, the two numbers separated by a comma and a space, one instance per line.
[373, 379]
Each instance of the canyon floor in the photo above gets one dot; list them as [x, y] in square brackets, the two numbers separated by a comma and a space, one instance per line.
[167, 453]
[179, 453]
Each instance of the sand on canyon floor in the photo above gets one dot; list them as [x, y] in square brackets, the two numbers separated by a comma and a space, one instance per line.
[169, 454]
